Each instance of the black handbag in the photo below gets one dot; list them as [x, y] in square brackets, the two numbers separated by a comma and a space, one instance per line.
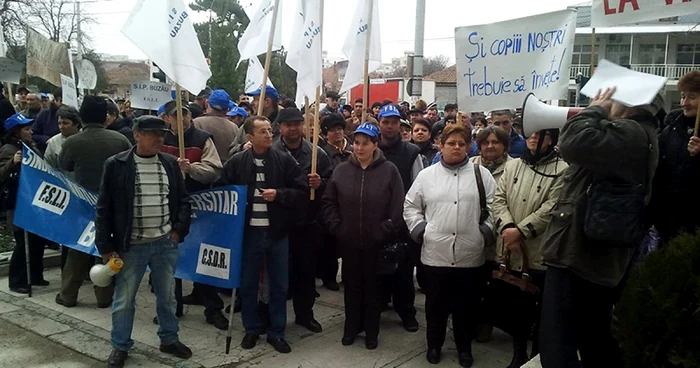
[486, 231]
[389, 255]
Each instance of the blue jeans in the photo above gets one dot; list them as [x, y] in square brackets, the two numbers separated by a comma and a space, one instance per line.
[161, 256]
[257, 247]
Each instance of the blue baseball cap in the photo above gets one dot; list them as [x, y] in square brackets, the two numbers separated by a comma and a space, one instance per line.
[270, 92]
[389, 110]
[161, 110]
[367, 129]
[237, 111]
[219, 100]
[16, 120]
[231, 105]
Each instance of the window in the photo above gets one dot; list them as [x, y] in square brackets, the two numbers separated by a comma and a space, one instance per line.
[618, 54]
[581, 55]
[688, 54]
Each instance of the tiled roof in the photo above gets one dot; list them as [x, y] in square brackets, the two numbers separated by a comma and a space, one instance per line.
[448, 75]
[127, 73]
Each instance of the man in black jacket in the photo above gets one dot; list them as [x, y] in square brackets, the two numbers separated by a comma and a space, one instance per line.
[143, 235]
[304, 238]
[277, 190]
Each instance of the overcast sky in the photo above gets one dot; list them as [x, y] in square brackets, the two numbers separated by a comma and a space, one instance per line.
[397, 22]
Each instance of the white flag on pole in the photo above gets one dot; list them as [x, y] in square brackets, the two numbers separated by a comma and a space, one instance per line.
[3, 47]
[254, 75]
[305, 53]
[255, 38]
[163, 30]
[354, 46]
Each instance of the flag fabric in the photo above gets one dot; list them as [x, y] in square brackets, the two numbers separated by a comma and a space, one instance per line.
[305, 52]
[163, 30]
[354, 46]
[254, 40]
[254, 75]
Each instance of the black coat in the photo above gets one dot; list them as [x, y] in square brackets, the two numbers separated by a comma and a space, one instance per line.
[115, 204]
[675, 197]
[281, 173]
[123, 126]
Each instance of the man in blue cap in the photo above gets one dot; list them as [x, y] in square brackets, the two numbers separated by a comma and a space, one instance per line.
[215, 123]
[270, 106]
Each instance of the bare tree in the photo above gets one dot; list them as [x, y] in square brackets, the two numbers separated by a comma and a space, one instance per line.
[435, 64]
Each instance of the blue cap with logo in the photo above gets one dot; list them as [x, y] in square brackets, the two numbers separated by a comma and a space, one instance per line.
[219, 100]
[270, 92]
[237, 111]
[367, 129]
[16, 120]
[389, 110]
[161, 110]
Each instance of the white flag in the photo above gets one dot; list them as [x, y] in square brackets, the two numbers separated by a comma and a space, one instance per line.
[254, 76]
[163, 30]
[255, 38]
[305, 53]
[354, 46]
[3, 47]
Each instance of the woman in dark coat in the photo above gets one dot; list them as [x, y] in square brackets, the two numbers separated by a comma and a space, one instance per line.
[362, 201]
[423, 139]
[19, 130]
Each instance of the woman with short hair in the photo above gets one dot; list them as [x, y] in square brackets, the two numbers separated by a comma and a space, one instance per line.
[423, 139]
[493, 144]
[69, 123]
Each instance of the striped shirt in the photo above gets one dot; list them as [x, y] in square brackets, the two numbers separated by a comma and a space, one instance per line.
[258, 216]
[151, 206]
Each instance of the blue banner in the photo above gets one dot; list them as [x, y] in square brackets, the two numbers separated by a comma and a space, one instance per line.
[53, 206]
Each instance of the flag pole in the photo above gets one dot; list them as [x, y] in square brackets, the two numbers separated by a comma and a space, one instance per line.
[314, 151]
[180, 125]
[268, 56]
[307, 120]
[365, 79]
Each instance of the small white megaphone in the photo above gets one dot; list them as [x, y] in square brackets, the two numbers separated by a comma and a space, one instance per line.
[540, 116]
[101, 274]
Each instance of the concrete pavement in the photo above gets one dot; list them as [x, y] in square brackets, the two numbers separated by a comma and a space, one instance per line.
[85, 330]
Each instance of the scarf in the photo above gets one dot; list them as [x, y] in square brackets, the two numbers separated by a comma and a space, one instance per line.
[495, 164]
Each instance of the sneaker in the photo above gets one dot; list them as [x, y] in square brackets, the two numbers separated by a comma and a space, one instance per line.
[116, 358]
[218, 320]
[280, 345]
[249, 341]
[177, 349]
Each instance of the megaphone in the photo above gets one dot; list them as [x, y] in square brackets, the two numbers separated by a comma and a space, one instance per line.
[101, 274]
[540, 116]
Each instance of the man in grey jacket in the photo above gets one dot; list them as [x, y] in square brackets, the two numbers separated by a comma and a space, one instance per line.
[584, 278]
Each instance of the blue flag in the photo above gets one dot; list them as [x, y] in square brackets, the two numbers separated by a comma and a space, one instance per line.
[51, 205]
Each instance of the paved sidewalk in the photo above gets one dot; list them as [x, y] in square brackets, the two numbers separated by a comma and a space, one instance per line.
[85, 329]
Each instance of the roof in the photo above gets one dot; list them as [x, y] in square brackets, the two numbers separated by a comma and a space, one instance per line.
[448, 75]
[127, 73]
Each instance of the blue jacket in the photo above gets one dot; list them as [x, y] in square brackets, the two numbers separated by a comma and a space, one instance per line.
[45, 126]
[518, 145]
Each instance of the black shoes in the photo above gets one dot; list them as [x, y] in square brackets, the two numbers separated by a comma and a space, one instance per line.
[280, 345]
[331, 285]
[433, 356]
[177, 349]
[347, 340]
[466, 359]
[192, 299]
[67, 304]
[102, 305]
[249, 341]
[218, 320]
[20, 290]
[116, 358]
[41, 282]
[311, 325]
[371, 344]
[410, 324]
[236, 306]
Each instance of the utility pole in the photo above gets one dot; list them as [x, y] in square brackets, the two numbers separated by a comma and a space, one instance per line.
[417, 72]
[79, 37]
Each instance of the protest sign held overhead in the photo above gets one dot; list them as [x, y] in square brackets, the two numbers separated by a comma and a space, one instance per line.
[632, 88]
[10, 70]
[254, 76]
[87, 76]
[498, 64]
[305, 55]
[611, 13]
[47, 59]
[256, 37]
[163, 30]
[53, 206]
[355, 46]
[149, 95]
[70, 96]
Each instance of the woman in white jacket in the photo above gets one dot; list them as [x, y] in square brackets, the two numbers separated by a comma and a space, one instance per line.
[442, 211]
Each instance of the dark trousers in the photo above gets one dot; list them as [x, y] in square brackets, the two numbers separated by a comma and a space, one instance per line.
[303, 245]
[362, 292]
[64, 256]
[209, 295]
[18, 262]
[76, 269]
[456, 291]
[576, 317]
[400, 286]
[327, 264]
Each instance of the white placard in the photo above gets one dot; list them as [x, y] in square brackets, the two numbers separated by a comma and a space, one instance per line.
[214, 261]
[70, 96]
[149, 95]
[10, 70]
[610, 13]
[47, 59]
[633, 88]
[498, 64]
[87, 76]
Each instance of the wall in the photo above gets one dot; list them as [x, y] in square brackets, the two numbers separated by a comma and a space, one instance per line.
[446, 93]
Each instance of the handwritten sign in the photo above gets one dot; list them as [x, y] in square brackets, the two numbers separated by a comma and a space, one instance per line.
[87, 76]
[10, 70]
[632, 88]
[149, 95]
[610, 13]
[498, 64]
[70, 96]
[46, 59]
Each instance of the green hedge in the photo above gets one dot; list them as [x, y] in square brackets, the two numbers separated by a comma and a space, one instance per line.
[658, 317]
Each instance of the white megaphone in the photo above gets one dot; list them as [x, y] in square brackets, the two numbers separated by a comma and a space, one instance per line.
[540, 116]
[101, 274]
